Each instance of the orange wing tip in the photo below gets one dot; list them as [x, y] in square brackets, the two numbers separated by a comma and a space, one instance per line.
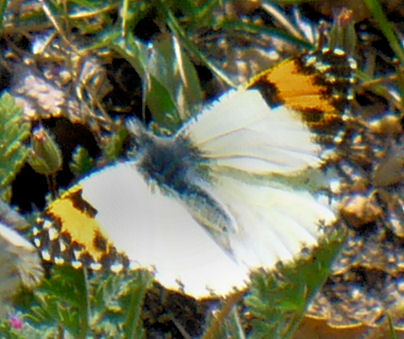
[317, 85]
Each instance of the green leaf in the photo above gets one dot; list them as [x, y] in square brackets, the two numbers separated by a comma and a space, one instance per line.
[13, 131]
[172, 67]
[171, 83]
[62, 302]
[113, 148]
[133, 324]
[182, 36]
[105, 305]
[81, 162]
[158, 98]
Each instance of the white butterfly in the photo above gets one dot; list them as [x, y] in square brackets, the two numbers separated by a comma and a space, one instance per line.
[203, 207]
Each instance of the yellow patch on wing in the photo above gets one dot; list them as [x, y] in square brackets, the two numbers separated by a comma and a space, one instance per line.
[77, 219]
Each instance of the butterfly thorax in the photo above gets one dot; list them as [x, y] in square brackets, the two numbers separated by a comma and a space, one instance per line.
[169, 164]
